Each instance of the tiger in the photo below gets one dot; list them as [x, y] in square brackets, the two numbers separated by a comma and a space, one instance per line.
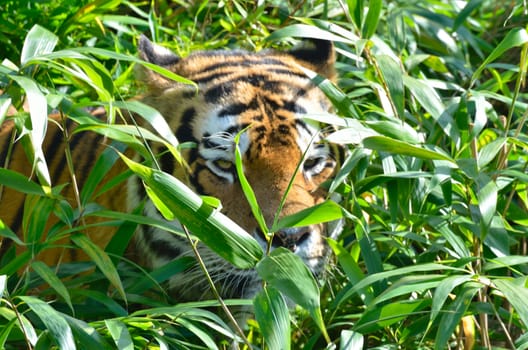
[263, 95]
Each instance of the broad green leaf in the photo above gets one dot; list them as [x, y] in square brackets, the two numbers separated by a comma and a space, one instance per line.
[286, 271]
[120, 334]
[8, 233]
[3, 280]
[37, 211]
[105, 161]
[490, 151]
[50, 277]
[213, 228]
[351, 268]
[429, 100]
[369, 280]
[386, 144]
[516, 292]
[105, 301]
[384, 315]
[466, 11]
[505, 261]
[86, 335]
[246, 187]
[451, 318]
[38, 112]
[19, 182]
[101, 260]
[39, 41]
[487, 201]
[409, 284]
[399, 130]
[54, 322]
[443, 290]
[5, 102]
[273, 317]
[515, 37]
[323, 212]
[372, 19]
[393, 78]
[305, 31]
[351, 340]
[21, 322]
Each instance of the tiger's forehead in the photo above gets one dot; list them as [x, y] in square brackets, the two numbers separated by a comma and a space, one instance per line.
[270, 95]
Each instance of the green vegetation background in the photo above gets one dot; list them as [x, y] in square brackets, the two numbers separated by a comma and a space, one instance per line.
[433, 106]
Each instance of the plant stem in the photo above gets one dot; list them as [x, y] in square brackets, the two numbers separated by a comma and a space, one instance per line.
[213, 288]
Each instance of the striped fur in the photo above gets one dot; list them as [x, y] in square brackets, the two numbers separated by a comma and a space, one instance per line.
[268, 93]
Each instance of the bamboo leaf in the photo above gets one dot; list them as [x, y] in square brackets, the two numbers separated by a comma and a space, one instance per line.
[101, 260]
[516, 37]
[120, 334]
[51, 278]
[286, 271]
[213, 228]
[323, 212]
[451, 318]
[54, 322]
[386, 144]
[372, 19]
[516, 293]
[273, 317]
[38, 41]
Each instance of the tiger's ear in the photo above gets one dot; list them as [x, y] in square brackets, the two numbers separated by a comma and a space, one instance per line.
[317, 55]
[158, 55]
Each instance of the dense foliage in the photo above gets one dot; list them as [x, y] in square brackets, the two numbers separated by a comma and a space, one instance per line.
[433, 106]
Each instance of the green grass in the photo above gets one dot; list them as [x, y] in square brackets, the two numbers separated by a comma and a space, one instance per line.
[433, 106]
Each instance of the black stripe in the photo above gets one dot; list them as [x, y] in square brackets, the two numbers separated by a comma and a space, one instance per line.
[301, 123]
[89, 157]
[194, 179]
[167, 160]
[185, 132]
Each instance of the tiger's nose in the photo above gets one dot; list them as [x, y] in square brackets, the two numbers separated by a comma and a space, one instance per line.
[292, 237]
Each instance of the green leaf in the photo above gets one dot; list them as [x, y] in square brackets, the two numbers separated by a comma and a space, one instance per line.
[443, 290]
[386, 144]
[516, 293]
[38, 41]
[5, 102]
[246, 187]
[451, 318]
[286, 271]
[372, 19]
[3, 280]
[101, 260]
[515, 37]
[392, 75]
[487, 201]
[466, 11]
[51, 278]
[21, 322]
[120, 334]
[213, 228]
[54, 322]
[323, 212]
[351, 340]
[273, 317]
[385, 315]
[369, 280]
[305, 31]
[38, 112]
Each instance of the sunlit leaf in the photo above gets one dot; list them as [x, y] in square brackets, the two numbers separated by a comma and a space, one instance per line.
[273, 317]
[213, 228]
[54, 322]
[285, 271]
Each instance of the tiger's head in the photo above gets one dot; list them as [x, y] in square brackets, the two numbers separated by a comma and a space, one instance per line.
[266, 95]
